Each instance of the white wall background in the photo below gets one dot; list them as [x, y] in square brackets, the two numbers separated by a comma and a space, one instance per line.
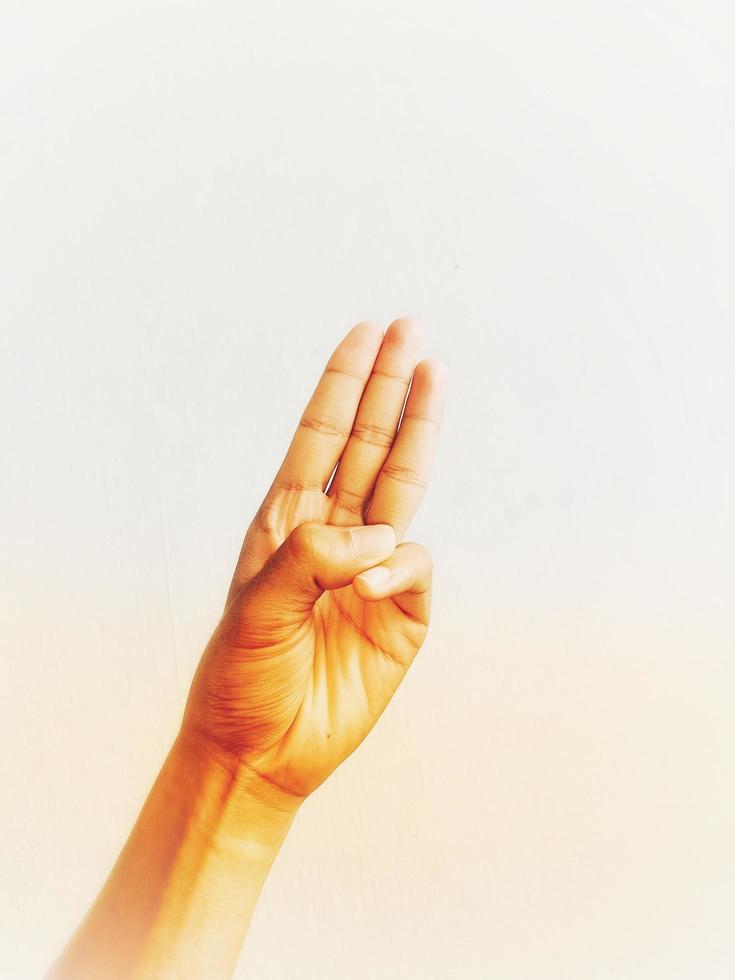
[197, 201]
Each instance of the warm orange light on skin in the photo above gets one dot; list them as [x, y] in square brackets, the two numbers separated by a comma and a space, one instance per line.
[307, 654]
[192, 869]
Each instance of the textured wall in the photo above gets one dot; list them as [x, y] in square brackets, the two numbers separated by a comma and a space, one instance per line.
[197, 202]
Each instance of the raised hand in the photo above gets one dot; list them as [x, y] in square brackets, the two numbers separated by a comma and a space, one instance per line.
[327, 608]
[328, 605]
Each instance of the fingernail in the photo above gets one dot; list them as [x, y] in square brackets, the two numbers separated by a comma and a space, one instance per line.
[373, 540]
[376, 577]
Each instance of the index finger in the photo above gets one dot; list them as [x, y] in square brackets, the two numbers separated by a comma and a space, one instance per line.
[326, 423]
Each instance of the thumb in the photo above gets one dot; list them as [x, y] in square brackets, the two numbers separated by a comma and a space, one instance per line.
[313, 558]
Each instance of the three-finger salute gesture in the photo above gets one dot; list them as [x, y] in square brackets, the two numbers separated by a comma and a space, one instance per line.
[328, 604]
[327, 608]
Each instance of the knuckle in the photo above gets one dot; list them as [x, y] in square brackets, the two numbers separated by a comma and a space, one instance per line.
[302, 540]
[424, 561]
[266, 520]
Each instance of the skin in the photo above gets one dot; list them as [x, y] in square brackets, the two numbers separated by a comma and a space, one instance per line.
[306, 656]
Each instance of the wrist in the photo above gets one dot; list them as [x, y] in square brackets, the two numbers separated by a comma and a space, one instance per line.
[237, 808]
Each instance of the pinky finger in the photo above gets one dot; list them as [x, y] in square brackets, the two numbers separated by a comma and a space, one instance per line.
[405, 577]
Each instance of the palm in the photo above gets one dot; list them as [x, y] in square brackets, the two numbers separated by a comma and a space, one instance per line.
[330, 678]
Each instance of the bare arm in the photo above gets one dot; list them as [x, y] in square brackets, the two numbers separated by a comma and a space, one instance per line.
[180, 896]
[307, 654]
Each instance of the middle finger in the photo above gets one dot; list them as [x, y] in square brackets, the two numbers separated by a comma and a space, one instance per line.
[376, 422]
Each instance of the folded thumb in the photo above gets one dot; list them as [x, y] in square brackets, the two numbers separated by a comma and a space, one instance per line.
[313, 558]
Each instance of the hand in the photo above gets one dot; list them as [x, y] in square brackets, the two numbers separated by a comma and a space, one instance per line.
[328, 606]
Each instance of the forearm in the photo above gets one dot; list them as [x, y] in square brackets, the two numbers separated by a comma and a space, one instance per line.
[179, 899]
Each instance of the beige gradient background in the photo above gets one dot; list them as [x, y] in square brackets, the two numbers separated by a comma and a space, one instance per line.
[198, 200]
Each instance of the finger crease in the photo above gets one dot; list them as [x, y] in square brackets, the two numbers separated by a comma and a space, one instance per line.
[406, 613]
[350, 507]
[420, 418]
[374, 435]
[392, 377]
[319, 425]
[359, 629]
[299, 487]
[347, 374]
[403, 475]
